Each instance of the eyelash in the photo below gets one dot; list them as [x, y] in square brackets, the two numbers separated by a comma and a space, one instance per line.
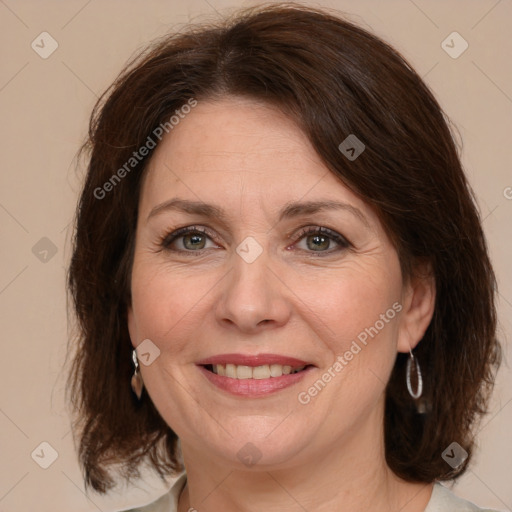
[343, 243]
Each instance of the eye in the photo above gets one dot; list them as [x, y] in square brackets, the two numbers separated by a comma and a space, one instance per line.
[192, 239]
[187, 239]
[319, 239]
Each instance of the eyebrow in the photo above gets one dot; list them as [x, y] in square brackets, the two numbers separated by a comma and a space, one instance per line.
[290, 210]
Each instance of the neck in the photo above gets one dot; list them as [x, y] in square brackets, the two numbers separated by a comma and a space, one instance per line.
[352, 477]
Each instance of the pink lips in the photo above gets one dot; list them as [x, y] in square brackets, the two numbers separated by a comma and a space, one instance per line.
[253, 388]
[257, 360]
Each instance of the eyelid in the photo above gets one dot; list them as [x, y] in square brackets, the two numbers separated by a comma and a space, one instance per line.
[167, 239]
[341, 240]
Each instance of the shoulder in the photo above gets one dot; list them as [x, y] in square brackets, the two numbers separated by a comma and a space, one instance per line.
[443, 500]
[166, 503]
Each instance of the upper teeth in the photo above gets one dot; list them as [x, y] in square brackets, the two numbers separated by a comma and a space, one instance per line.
[254, 372]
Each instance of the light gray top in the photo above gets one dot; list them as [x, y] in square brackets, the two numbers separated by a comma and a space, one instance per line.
[442, 500]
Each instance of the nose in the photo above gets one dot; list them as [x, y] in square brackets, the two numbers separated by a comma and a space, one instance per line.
[252, 298]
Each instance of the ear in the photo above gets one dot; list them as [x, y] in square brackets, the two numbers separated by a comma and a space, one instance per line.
[418, 301]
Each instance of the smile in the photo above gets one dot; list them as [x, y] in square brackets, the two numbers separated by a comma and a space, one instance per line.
[266, 371]
[253, 376]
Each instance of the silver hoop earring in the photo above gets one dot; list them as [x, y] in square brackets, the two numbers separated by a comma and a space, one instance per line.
[137, 382]
[419, 389]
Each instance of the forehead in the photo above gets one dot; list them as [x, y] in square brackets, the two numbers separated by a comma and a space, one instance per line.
[238, 150]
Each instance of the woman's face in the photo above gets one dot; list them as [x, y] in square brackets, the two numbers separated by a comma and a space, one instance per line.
[274, 281]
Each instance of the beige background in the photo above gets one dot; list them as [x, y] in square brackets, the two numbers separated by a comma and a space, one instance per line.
[45, 104]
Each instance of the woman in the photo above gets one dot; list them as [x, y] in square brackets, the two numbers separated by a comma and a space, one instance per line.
[283, 289]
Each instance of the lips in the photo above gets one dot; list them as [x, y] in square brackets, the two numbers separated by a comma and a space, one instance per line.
[256, 360]
[253, 376]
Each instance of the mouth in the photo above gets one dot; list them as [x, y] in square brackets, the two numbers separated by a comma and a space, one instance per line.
[253, 376]
[242, 372]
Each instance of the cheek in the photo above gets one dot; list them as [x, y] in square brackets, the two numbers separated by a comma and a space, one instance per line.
[361, 310]
[160, 301]
[356, 301]
[362, 314]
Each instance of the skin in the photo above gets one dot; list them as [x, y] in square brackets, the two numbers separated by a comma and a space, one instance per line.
[250, 159]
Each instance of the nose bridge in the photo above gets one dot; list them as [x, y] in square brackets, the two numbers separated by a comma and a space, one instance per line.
[252, 296]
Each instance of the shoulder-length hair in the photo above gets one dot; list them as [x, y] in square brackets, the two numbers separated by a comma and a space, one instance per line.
[335, 79]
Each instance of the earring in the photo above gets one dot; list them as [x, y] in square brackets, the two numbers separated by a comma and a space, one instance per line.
[419, 389]
[137, 383]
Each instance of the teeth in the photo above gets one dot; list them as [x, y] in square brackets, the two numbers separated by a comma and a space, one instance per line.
[243, 372]
[261, 372]
[230, 371]
[276, 370]
[265, 371]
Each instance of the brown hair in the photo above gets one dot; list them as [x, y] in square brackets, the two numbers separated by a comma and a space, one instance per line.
[335, 79]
